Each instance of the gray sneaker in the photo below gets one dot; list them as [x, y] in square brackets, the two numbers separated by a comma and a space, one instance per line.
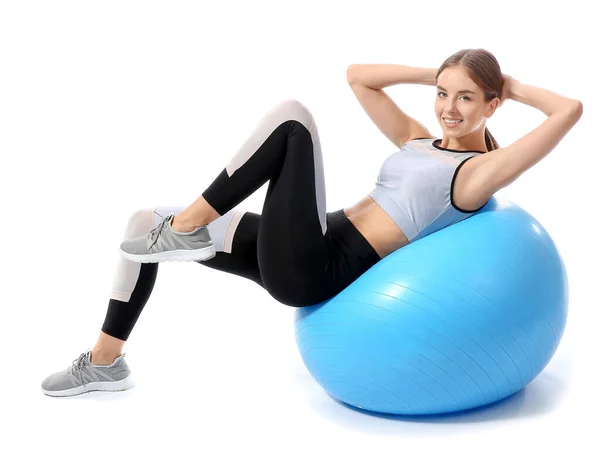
[83, 376]
[164, 244]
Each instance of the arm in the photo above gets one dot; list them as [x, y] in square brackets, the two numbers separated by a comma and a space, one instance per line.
[499, 168]
[367, 82]
[378, 76]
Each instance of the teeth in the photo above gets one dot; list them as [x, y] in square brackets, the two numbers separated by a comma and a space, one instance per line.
[452, 121]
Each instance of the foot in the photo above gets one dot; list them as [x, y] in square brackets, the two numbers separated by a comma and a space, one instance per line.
[83, 376]
[164, 243]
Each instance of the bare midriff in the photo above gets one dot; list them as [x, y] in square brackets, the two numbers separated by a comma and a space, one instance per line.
[376, 226]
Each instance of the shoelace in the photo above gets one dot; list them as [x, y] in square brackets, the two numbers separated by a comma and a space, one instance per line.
[78, 365]
[154, 233]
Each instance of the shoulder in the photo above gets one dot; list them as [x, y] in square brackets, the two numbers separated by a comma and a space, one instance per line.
[417, 138]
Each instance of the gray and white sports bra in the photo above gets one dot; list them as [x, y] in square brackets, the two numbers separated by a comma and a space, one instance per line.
[415, 187]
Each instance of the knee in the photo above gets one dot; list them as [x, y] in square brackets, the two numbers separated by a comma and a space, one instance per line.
[140, 222]
[295, 110]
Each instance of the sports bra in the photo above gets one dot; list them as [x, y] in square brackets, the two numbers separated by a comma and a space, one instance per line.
[415, 186]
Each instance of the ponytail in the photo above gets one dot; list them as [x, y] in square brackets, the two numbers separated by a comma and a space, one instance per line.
[490, 142]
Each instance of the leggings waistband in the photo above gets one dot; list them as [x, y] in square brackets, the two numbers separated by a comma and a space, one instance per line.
[341, 227]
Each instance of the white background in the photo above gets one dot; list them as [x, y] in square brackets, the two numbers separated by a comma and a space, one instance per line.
[109, 107]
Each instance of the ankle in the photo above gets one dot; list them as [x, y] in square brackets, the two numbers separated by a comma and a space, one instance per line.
[100, 357]
[181, 225]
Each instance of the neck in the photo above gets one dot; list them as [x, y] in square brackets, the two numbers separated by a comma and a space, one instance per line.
[471, 141]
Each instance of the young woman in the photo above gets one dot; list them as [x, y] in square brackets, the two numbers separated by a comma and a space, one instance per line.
[301, 254]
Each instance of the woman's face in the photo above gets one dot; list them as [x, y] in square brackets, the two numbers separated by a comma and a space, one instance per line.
[459, 98]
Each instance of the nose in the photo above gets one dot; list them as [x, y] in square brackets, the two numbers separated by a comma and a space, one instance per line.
[450, 108]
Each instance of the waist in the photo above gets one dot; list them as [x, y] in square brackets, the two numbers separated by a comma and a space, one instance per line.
[376, 226]
[395, 212]
[340, 227]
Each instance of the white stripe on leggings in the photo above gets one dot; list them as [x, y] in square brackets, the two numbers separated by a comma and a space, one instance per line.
[284, 111]
[127, 272]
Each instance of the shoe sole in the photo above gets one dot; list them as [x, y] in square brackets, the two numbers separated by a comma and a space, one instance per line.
[176, 255]
[116, 386]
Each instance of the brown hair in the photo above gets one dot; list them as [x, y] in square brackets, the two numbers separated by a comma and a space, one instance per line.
[483, 68]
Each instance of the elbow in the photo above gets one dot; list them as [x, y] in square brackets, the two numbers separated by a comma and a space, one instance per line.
[353, 73]
[350, 74]
[573, 109]
[578, 109]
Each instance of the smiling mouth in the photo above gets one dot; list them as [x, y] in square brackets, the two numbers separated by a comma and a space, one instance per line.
[452, 122]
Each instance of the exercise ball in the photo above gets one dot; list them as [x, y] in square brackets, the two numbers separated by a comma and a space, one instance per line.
[461, 318]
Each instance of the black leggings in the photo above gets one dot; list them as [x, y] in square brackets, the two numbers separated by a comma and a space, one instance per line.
[298, 252]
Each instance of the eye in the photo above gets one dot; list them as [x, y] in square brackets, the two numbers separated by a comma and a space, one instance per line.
[463, 96]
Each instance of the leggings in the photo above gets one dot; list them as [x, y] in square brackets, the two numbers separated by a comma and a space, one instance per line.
[299, 253]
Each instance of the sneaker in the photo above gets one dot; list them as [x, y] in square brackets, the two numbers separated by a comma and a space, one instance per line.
[83, 376]
[163, 243]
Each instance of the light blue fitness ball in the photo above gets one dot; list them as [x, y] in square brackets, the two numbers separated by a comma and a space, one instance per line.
[458, 319]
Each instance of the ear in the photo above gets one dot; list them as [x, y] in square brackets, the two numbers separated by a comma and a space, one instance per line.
[492, 106]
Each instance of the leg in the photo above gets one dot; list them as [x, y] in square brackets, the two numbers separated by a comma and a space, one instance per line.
[263, 154]
[133, 281]
[132, 285]
[292, 252]
[287, 142]
[201, 212]
[283, 250]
